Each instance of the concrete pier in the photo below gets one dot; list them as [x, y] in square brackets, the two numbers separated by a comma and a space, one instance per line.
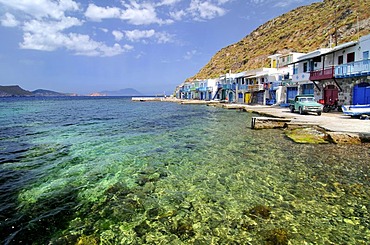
[144, 99]
[269, 122]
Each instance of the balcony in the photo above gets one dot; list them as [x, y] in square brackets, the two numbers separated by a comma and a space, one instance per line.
[255, 87]
[229, 86]
[202, 89]
[243, 87]
[353, 69]
[324, 74]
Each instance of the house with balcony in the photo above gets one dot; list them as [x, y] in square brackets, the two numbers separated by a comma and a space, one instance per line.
[185, 91]
[242, 88]
[179, 91]
[352, 71]
[283, 85]
[205, 88]
[226, 88]
[251, 86]
[341, 74]
[327, 88]
[302, 68]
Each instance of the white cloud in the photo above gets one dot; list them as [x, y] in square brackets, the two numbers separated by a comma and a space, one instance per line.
[205, 10]
[142, 35]
[97, 13]
[78, 43]
[9, 20]
[136, 35]
[163, 37]
[200, 10]
[190, 54]
[42, 8]
[142, 14]
[168, 2]
[133, 12]
[117, 35]
[50, 27]
[178, 15]
[49, 36]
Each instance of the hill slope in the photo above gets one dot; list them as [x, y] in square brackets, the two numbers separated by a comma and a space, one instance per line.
[301, 30]
[13, 90]
[44, 92]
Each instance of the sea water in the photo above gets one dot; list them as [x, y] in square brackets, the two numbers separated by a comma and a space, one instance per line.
[111, 171]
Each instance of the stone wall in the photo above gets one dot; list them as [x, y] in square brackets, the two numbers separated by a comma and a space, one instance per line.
[346, 84]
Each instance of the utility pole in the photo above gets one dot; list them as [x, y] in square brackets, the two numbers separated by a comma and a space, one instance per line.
[335, 26]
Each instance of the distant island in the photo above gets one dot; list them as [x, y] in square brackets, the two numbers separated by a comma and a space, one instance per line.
[121, 92]
[17, 91]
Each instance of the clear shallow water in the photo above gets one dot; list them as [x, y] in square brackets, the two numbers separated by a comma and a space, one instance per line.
[110, 171]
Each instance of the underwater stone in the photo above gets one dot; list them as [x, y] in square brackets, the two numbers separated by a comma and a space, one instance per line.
[185, 230]
[344, 138]
[260, 211]
[87, 240]
[277, 236]
[117, 189]
[142, 229]
[310, 135]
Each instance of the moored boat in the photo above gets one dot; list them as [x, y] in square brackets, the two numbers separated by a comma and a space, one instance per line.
[356, 110]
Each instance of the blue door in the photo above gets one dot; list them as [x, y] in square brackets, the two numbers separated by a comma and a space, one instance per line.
[231, 97]
[291, 92]
[361, 94]
[307, 89]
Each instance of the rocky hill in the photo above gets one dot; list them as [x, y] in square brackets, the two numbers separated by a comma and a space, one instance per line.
[14, 90]
[44, 92]
[301, 30]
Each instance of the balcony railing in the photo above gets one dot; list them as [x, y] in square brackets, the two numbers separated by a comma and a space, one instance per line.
[229, 86]
[255, 87]
[353, 69]
[323, 74]
[243, 87]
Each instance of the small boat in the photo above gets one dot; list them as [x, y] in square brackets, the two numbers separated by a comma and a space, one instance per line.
[356, 110]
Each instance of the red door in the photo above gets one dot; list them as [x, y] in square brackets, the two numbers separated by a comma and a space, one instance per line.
[330, 94]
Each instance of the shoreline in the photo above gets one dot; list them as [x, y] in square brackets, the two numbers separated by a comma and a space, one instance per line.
[340, 128]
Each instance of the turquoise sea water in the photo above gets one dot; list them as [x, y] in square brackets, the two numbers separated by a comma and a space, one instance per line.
[111, 171]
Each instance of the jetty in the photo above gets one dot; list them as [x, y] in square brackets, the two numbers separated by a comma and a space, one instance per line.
[144, 99]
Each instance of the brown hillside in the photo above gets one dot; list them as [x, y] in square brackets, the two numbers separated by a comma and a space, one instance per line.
[301, 30]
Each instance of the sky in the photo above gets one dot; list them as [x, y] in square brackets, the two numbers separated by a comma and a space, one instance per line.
[86, 46]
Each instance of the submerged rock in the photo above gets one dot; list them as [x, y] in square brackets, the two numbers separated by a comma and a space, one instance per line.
[277, 236]
[259, 211]
[310, 135]
[344, 138]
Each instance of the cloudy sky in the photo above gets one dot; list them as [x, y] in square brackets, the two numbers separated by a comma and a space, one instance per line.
[84, 46]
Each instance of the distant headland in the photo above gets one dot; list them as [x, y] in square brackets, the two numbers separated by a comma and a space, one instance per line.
[17, 91]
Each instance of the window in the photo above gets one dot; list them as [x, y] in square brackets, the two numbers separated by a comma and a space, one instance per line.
[350, 57]
[305, 67]
[365, 55]
[340, 59]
